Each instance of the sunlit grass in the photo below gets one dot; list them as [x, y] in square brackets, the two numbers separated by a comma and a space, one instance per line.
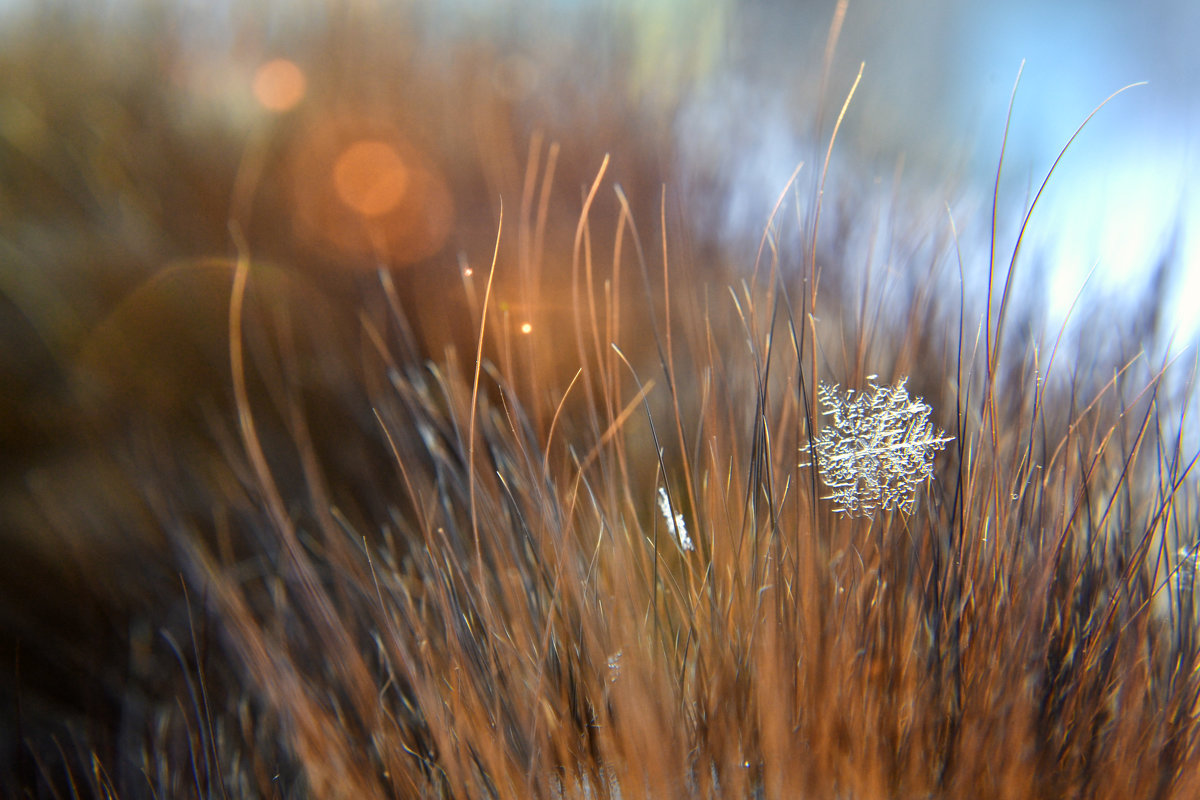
[555, 521]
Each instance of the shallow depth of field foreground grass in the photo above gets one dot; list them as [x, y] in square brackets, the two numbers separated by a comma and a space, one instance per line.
[376, 560]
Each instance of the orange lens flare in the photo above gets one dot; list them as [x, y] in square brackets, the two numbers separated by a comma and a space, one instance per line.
[370, 177]
[362, 188]
[279, 85]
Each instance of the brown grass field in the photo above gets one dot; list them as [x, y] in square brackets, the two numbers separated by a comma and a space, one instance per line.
[334, 437]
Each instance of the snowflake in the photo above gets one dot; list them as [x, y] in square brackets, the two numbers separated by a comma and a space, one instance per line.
[675, 522]
[875, 449]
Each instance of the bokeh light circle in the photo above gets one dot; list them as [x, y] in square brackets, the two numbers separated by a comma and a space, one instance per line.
[370, 177]
[363, 188]
[279, 85]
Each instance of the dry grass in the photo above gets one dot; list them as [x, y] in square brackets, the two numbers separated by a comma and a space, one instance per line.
[381, 561]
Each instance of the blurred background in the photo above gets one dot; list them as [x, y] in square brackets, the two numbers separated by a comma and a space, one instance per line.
[739, 85]
[935, 91]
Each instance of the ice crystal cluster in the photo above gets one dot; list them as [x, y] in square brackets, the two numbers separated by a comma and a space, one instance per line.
[675, 522]
[875, 448]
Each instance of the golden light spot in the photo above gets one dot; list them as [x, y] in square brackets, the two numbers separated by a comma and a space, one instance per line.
[370, 177]
[526, 327]
[279, 84]
[366, 191]
[468, 272]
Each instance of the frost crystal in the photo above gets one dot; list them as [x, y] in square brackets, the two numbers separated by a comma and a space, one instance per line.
[875, 448]
[675, 523]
